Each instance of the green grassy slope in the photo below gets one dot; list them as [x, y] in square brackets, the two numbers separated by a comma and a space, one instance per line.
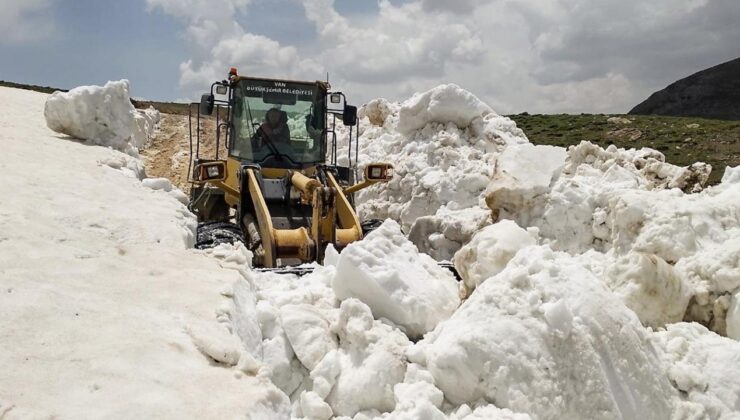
[682, 140]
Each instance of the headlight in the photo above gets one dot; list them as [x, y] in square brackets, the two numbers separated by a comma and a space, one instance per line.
[210, 171]
[379, 172]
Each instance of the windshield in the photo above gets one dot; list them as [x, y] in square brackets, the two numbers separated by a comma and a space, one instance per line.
[278, 119]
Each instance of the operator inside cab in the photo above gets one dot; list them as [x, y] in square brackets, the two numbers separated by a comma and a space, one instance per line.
[275, 127]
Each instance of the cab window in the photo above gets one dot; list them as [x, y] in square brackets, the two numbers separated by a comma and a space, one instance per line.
[278, 118]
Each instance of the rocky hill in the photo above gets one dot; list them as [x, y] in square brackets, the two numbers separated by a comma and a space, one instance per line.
[710, 93]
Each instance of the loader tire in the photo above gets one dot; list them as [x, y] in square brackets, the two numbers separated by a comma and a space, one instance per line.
[211, 234]
[370, 225]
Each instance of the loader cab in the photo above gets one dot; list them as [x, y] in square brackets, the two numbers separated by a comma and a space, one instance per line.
[281, 124]
[278, 124]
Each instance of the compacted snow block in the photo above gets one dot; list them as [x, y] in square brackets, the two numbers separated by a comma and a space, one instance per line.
[649, 286]
[441, 235]
[489, 251]
[308, 333]
[386, 272]
[547, 338]
[522, 180]
[103, 116]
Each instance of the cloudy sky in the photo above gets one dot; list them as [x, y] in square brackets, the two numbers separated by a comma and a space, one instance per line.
[518, 55]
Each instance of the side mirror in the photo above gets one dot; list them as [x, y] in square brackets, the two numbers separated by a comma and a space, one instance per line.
[210, 171]
[349, 116]
[379, 172]
[206, 104]
[221, 89]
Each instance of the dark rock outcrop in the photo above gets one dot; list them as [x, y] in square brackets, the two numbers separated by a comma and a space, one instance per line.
[710, 93]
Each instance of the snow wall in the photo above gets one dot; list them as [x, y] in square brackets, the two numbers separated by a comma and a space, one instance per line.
[101, 115]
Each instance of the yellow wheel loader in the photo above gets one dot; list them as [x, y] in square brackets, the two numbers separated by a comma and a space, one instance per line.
[273, 182]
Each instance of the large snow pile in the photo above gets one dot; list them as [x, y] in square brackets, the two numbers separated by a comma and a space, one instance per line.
[443, 145]
[668, 254]
[101, 115]
[665, 245]
[99, 289]
[458, 164]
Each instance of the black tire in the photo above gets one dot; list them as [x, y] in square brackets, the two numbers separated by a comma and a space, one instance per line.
[211, 234]
[370, 225]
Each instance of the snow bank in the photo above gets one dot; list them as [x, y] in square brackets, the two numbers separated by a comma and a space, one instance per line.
[330, 353]
[385, 271]
[543, 332]
[541, 335]
[109, 313]
[101, 115]
[648, 166]
[545, 337]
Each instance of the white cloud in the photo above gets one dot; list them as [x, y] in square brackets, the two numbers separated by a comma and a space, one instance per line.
[534, 55]
[251, 54]
[403, 42]
[207, 22]
[646, 41]
[220, 42]
[25, 21]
